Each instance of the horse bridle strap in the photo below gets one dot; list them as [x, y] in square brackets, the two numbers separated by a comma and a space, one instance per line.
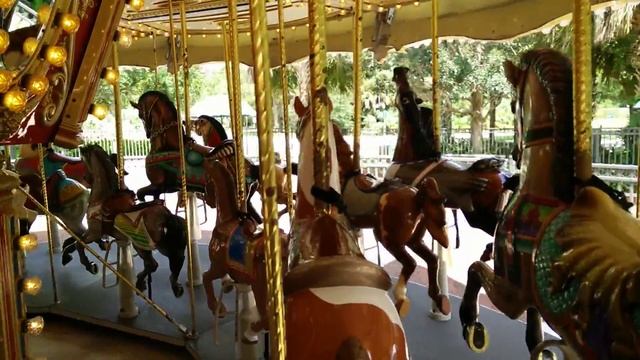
[157, 132]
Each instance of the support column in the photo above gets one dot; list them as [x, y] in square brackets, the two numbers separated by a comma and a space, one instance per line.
[128, 308]
[196, 235]
[443, 282]
[248, 313]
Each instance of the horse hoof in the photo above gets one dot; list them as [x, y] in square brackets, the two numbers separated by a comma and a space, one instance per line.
[102, 245]
[178, 290]
[547, 355]
[403, 306]
[443, 304]
[477, 337]
[227, 286]
[66, 258]
[250, 338]
[92, 268]
[141, 285]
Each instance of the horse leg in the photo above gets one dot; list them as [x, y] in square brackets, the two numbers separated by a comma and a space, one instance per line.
[207, 281]
[68, 247]
[441, 301]
[534, 335]
[150, 266]
[176, 260]
[503, 294]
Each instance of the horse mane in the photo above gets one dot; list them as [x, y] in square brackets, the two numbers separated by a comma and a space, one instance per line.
[162, 97]
[105, 163]
[554, 72]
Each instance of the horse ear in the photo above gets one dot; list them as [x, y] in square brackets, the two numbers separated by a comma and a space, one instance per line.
[512, 72]
[433, 191]
[135, 105]
[299, 107]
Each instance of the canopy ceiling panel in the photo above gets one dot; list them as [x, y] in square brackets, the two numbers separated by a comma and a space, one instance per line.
[387, 23]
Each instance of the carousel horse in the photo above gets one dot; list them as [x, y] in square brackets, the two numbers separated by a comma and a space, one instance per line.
[398, 214]
[565, 249]
[159, 116]
[236, 249]
[148, 226]
[29, 163]
[337, 306]
[477, 190]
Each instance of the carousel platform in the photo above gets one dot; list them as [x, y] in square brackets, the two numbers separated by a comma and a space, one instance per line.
[82, 297]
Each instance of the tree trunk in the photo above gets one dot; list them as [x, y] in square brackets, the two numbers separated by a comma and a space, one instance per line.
[476, 122]
[492, 123]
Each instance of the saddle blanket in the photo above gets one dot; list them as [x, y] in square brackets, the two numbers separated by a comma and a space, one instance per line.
[133, 227]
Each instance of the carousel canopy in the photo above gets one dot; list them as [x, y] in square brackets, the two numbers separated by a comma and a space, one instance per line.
[386, 24]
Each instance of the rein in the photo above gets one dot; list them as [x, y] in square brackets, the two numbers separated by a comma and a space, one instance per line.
[147, 118]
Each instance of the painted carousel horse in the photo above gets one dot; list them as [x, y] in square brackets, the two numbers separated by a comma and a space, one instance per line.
[398, 214]
[148, 226]
[477, 191]
[29, 163]
[565, 249]
[336, 301]
[236, 249]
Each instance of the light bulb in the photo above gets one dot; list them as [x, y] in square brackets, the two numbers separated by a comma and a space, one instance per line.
[6, 77]
[27, 242]
[124, 38]
[4, 41]
[56, 55]
[110, 75]
[43, 14]
[31, 285]
[35, 325]
[100, 111]
[15, 100]
[136, 5]
[38, 84]
[29, 46]
[6, 4]
[70, 23]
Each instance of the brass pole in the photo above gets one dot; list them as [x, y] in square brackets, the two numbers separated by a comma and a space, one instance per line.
[582, 87]
[118, 114]
[237, 101]
[319, 113]
[273, 255]
[183, 166]
[185, 67]
[155, 58]
[357, 80]
[50, 217]
[284, 79]
[435, 70]
[227, 71]
[122, 278]
[638, 185]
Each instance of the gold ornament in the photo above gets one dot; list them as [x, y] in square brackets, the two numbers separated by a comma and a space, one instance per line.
[4, 41]
[124, 39]
[31, 285]
[15, 100]
[100, 111]
[38, 84]
[6, 77]
[136, 5]
[43, 14]
[6, 4]
[27, 242]
[29, 46]
[56, 55]
[35, 325]
[70, 23]
[110, 75]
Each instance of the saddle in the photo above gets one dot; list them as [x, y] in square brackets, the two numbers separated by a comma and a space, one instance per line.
[368, 183]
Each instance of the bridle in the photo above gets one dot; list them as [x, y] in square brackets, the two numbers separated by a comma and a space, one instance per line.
[146, 117]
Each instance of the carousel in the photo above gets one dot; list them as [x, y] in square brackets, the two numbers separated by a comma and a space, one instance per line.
[304, 290]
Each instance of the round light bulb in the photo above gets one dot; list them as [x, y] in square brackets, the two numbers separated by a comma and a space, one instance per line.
[43, 14]
[70, 23]
[15, 100]
[38, 84]
[4, 41]
[29, 46]
[110, 75]
[6, 4]
[56, 55]
[31, 285]
[6, 77]
[124, 39]
[136, 5]
[27, 242]
[100, 111]
[35, 325]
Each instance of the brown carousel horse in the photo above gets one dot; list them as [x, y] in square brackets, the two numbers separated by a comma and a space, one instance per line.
[565, 249]
[235, 248]
[477, 190]
[159, 116]
[148, 226]
[337, 306]
[398, 214]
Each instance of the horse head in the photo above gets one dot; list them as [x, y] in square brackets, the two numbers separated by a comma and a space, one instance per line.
[158, 114]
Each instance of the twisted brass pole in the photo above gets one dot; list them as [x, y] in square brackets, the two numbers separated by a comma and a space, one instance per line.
[227, 70]
[582, 87]
[262, 76]
[117, 101]
[50, 217]
[237, 101]
[357, 80]
[284, 79]
[155, 59]
[183, 166]
[317, 66]
[435, 70]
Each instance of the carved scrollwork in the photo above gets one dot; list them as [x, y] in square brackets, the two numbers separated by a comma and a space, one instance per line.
[84, 5]
[53, 101]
